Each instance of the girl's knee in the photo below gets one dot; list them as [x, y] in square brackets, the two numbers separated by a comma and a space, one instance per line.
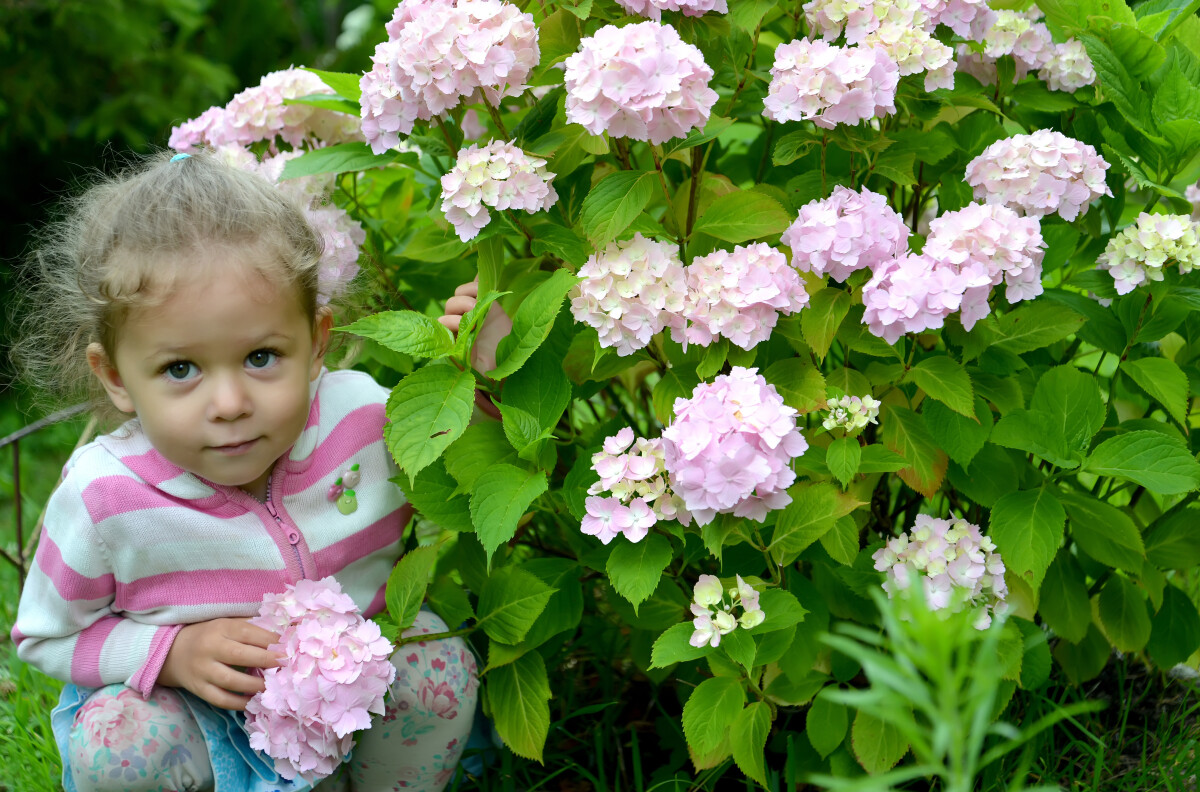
[120, 741]
[438, 677]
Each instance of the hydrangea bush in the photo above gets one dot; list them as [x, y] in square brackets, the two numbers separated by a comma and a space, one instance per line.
[809, 303]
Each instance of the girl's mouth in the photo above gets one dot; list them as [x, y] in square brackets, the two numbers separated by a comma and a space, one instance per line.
[235, 449]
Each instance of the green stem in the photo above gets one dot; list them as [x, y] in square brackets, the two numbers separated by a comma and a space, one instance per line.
[434, 636]
[495, 114]
[449, 140]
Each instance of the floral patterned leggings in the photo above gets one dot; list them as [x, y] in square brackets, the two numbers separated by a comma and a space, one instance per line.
[121, 742]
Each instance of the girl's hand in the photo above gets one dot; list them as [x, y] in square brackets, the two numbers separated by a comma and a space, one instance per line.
[203, 656]
[496, 325]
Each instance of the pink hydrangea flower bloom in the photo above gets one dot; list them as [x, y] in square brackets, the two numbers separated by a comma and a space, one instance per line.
[1039, 174]
[1140, 251]
[956, 565]
[640, 81]
[814, 80]
[632, 494]
[335, 676]
[988, 244]
[259, 113]
[1069, 67]
[845, 232]
[498, 175]
[652, 9]
[439, 53]
[630, 291]
[739, 296]
[728, 449]
[713, 610]
[913, 293]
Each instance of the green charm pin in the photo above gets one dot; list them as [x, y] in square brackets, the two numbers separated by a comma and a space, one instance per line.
[341, 492]
[347, 503]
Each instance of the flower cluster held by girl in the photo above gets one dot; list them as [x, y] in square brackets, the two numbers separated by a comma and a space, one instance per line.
[185, 293]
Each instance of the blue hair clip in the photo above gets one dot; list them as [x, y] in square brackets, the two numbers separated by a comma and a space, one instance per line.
[179, 157]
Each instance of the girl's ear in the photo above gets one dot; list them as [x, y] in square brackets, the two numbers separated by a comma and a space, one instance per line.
[322, 327]
[106, 372]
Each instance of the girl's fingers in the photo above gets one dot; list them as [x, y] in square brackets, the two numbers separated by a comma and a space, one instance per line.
[251, 634]
[468, 289]
[222, 698]
[451, 323]
[460, 304]
[236, 682]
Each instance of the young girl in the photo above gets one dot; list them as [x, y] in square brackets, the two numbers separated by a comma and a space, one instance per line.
[185, 291]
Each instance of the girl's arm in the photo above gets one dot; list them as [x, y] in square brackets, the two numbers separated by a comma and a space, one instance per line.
[67, 628]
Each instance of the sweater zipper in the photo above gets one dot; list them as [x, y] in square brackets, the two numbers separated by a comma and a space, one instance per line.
[293, 536]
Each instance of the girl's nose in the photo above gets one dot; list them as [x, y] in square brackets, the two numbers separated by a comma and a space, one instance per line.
[230, 399]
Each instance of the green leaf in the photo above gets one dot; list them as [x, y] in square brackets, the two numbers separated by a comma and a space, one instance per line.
[562, 243]
[712, 130]
[540, 388]
[510, 603]
[522, 430]
[338, 158]
[793, 146]
[449, 600]
[1104, 532]
[826, 724]
[1085, 659]
[1150, 459]
[1165, 383]
[877, 745]
[742, 216]
[897, 167]
[748, 739]
[674, 384]
[961, 438]
[407, 583]
[434, 494]
[945, 380]
[614, 203]
[673, 647]
[519, 702]
[345, 85]
[812, 512]
[481, 446]
[1174, 540]
[1027, 528]
[1118, 85]
[471, 323]
[799, 383]
[427, 411]
[843, 457]
[822, 318]
[710, 711]
[634, 568]
[326, 101]
[405, 331]
[1124, 615]
[1072, 400]
[740, 647]
[904, 432]
[877, 459]
[533, 321]
[435, 245]
[502, 494]
[1035, 325]
[1063, 599]
[564, 609]
[782, 610]
[1174, 630]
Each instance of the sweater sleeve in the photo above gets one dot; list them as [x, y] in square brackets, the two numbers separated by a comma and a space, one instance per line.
[66, 626]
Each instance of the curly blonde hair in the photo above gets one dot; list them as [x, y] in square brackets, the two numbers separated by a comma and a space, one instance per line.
[120, 244]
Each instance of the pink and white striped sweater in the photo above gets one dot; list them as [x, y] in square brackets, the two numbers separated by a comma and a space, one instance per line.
[134, 547]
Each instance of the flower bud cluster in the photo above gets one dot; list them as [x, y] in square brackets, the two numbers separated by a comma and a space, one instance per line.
[640, 81]
[845, 232]
[1039, 174]
[1139, 253]
[259, 113]
[739, 296]
[630, 291]
[729, 448]
[956, 565]
[335, 675]
[439, 53]
[713, 607]
[498, 175]
[814, 80]
[652, 9]
[639, 495]
[851, 413]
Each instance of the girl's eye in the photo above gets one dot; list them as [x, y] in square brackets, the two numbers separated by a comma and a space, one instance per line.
[260, 358]
[180, 370]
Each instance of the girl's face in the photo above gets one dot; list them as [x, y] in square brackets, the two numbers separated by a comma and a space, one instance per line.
[218, 373]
